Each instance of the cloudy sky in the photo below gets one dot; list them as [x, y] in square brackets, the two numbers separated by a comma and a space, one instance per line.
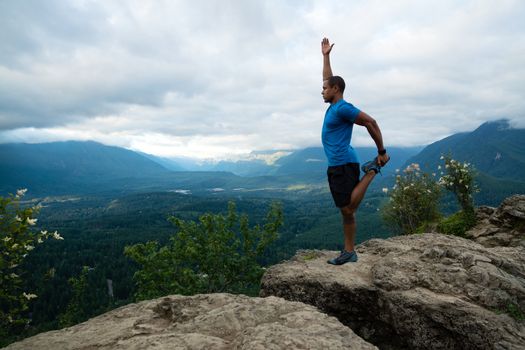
[214, 79]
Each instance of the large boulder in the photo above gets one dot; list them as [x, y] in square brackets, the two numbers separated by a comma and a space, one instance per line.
[428, 291]
[502, 226]
[206, 321]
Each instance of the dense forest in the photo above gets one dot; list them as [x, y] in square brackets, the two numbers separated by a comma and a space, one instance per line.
[97, 228]
[88, 267]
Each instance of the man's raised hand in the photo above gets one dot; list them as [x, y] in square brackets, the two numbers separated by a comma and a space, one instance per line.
[326, 47]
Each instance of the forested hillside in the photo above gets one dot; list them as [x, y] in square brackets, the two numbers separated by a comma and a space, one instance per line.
[97, 228]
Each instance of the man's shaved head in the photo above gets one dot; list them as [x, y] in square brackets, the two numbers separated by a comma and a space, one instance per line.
[337, 81]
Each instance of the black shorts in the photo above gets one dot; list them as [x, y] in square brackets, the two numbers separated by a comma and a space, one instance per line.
[342, 180]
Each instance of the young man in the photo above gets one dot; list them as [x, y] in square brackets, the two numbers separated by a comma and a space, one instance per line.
[343, 164]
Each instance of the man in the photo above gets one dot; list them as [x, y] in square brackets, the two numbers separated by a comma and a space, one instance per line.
[343, 164]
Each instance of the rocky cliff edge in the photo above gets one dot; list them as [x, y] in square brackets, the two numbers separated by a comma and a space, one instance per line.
[502, 226]
[427, 291]
[206, 321]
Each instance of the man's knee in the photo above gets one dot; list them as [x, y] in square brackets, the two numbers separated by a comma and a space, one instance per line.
[348, 214]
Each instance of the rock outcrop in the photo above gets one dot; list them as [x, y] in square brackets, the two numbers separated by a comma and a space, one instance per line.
[206, 321]
[502, 226]
[428, 291]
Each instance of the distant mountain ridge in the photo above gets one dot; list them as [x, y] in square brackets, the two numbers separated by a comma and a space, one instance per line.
[88, 167]
[313, 159]
[302, 161]
[69, 164]
[494, 148]
[497, 153]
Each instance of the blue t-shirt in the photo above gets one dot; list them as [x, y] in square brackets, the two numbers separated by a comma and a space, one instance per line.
[337, 133]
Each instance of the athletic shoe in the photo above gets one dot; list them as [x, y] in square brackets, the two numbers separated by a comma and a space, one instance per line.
[371, 165]
[343, 258]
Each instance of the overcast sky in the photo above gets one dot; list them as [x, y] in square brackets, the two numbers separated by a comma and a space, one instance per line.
[212, 79]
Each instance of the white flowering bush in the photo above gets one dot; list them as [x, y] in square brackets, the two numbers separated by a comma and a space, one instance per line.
[458, 178]
[18, 237]
[413, 201]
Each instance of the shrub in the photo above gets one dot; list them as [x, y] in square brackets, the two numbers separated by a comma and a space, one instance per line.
[457, 224]
[18, 237]
[459, 179]
[413, 201]
[215, 254]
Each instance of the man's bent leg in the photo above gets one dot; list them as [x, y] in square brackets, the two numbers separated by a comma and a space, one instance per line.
[360, 189]
[348, 212]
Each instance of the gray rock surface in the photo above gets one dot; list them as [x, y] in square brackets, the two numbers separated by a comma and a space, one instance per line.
[502, 226]
[427, 291]
[206, 321]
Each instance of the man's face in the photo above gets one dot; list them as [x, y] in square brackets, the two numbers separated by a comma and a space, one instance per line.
[328, 92]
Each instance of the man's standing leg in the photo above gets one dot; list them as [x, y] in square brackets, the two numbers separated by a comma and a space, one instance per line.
[349, 223]
[348, 212]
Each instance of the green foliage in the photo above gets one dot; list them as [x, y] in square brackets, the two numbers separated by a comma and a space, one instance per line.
[98, 227]
[413, 205]
[413, 201]
[457, 224]
[459, 179]
[17, 239]
[76, 311]
[216, 254]
[515, 312]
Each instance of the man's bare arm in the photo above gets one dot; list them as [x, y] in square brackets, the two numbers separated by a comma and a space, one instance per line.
[325, 49]
[367, 121]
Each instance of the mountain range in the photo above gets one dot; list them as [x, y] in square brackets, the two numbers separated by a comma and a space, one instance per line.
[88, 167]
[495, 149]
[303, 161]
[69, 166]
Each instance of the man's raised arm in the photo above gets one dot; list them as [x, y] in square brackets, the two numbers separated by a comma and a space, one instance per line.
[325, 49]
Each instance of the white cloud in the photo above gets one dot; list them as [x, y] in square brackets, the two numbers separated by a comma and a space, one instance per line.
[207, 79]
